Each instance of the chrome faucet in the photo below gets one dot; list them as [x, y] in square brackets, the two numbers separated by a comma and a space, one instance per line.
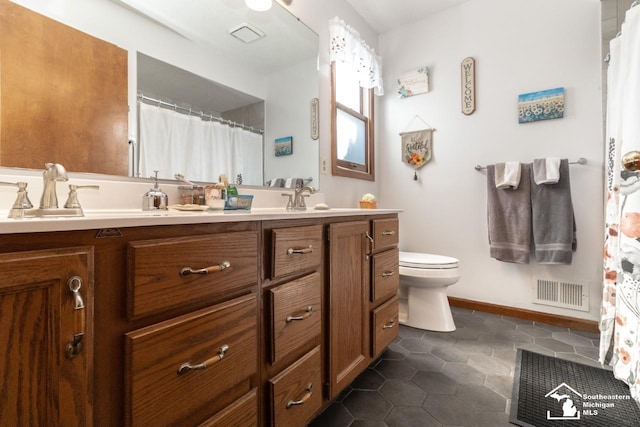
[53, 173]
[298, 197]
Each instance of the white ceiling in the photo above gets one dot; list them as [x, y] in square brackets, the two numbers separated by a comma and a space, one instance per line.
[387, 15]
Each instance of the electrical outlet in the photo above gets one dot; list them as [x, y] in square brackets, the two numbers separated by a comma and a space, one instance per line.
[323, 166]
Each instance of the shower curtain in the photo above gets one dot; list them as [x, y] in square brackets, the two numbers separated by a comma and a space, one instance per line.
[620, 314]
[172, 142]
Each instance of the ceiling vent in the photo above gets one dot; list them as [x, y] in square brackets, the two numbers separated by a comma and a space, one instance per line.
[246, 33]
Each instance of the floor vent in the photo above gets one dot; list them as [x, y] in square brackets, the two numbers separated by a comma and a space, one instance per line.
[562, 294]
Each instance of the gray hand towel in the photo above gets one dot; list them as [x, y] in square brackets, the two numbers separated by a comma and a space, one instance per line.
[509, 218]
[553, 221]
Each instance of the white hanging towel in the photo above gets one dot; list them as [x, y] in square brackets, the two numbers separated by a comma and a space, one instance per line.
[507, 175]
[546, 171]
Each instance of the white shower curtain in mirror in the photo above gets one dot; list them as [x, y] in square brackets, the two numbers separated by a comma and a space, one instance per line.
[172, 142]
[620, 314]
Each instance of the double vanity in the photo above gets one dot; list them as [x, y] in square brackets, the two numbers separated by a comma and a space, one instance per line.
[192, 318]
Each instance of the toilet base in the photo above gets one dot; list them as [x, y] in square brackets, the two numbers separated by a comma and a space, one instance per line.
[427, 308]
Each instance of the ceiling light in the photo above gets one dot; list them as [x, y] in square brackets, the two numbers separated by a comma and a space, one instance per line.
[259, 5]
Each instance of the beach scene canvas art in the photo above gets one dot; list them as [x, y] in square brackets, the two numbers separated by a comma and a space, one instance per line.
[541, 105]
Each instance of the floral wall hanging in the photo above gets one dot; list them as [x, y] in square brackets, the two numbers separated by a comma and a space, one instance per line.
[416, 147]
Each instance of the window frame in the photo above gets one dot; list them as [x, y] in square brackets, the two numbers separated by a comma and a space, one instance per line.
[345, 168]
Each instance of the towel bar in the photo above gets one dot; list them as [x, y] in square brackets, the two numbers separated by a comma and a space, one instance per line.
[580, 161]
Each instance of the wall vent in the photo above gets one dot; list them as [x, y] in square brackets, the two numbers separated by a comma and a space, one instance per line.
[561, 294]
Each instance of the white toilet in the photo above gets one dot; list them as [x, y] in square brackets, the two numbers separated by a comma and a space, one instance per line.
[424, 279]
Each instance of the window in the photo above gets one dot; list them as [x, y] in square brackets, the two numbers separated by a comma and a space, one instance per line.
[352, 145]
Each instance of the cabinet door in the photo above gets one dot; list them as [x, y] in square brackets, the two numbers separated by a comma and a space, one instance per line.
[348, 299]
[40, 383]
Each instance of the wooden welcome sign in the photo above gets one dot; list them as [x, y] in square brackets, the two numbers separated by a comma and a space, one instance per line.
[468, 89]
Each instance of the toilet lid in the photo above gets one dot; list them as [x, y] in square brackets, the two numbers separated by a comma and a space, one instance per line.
[420, 260]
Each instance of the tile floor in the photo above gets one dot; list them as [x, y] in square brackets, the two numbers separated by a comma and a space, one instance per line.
[461, 378]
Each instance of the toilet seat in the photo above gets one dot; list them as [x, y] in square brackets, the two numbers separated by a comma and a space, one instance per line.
[427, 261]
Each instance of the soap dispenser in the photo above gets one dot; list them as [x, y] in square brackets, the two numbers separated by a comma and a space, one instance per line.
[154, 198]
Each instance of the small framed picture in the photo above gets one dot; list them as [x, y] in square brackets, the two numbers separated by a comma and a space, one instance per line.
[284, 146]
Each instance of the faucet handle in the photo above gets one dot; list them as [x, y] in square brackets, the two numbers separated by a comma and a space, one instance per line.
[290, 201]
[22, 201]
[72, 201]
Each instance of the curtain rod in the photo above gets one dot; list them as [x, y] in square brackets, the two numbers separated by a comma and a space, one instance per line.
[580, 161]
[202, 115]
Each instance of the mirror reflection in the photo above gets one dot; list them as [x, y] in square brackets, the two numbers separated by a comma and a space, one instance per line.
[186, 58]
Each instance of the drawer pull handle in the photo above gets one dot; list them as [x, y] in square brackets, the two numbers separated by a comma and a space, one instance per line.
[306, 314]
[186, 367]
[388, 273]
[74, 347]
[388, 233]
[389, 325]
[187, 271]
[303, 399]
[292, 251]
[369, 236]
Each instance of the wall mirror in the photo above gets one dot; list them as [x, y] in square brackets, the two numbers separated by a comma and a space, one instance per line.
[188, 57]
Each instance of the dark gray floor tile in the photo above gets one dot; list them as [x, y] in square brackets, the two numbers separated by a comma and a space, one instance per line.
[492, 419]
[462, 373]
[571, 339]
[407, 416]
[368, 423]
[506, 355]
[534, 331]
[417, 345]
[488, 365]
[412, 384]
[425, 361]
[501, 384]
[554, 345]
[435, 382]
[589, 352]
[403, 393]
[482, 398]
[396, 369]
[370, 379]
[439, 338]
[516, 320]
[367, 405]
[394, 352]
[587, 334]
[449, 410]
[409, 332]
[335, 415]
[474, 347]
[451, 353]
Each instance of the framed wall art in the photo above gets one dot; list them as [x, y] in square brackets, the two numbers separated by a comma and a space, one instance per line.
[541, 105]
[284, 146]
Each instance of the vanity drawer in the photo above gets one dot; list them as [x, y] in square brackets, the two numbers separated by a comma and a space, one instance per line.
[156, 281]
[385, 325]
[242, 412]
[161, 390]
[296, 393]
[296, 249]
[385, 277]
[385, 233]
[295, 316]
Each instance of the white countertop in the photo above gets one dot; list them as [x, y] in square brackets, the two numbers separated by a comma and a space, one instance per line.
[116, 218]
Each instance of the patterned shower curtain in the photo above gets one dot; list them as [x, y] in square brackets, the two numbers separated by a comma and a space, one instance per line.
[620, 315]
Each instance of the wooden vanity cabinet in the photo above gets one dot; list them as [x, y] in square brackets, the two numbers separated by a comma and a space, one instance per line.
[348, 305]
[385, 280]
[292, 324]
[301, 309]
[46, 313]
[362, 295]
[186, 369]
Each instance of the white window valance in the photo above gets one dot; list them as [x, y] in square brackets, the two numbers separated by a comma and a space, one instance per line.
[347, 46]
